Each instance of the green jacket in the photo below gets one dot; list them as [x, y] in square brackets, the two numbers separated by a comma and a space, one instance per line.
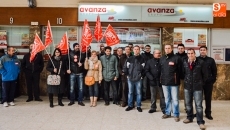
[109, 67]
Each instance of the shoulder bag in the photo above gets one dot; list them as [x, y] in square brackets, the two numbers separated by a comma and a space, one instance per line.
[55, 79]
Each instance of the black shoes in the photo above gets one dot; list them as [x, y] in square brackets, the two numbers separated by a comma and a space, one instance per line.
[71, 103]
[28, 100]
[51, 104]
[60, 103]
[152, 111]
[81, 104]
[139, 109]
[128, 108]
[107, 104]
[38, 99]
[209, 117]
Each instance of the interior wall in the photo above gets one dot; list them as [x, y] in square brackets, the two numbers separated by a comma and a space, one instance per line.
[74, 3]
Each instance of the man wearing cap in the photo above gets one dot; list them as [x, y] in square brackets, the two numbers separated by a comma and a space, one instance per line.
[75, 69]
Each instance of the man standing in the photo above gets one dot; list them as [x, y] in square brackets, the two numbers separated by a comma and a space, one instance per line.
[75, 69]
[134, 69]
[121, 63]
[147, 56]
[131, 47]
[110, 75]
[170, 80]
[152, 71]
[9, 69]
[195, 73]
[208, 85]
[119, 83]
[32, 74]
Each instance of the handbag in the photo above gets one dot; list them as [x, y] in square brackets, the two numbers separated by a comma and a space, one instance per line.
[54, 79]
[89, 80]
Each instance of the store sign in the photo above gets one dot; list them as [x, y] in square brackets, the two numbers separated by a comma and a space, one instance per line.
[219, 9]
[109, 13]
[177, 14]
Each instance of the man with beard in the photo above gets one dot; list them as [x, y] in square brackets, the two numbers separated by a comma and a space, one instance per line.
[32, 74]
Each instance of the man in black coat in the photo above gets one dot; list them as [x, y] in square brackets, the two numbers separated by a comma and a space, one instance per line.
[123, 76]
[208, 86]
[147, 56]
[194, 74]
[32, 73]
[152, 72]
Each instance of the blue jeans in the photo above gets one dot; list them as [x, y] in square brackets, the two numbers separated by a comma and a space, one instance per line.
[171, 94]
[76, 78]
[137, 86]
[198, 98]
[8, 90]
[93, 90]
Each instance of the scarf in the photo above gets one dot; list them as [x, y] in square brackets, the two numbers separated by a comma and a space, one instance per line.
[57, 58]
[92, 61]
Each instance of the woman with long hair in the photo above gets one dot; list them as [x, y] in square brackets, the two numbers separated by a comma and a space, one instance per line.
[94, 67]
[58, 63]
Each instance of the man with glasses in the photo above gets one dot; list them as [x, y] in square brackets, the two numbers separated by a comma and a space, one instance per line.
[194, 74]
[147, 56]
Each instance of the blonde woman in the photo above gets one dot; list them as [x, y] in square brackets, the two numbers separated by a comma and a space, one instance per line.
[93, 65]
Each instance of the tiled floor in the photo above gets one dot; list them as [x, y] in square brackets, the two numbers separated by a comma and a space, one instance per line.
[39, 116]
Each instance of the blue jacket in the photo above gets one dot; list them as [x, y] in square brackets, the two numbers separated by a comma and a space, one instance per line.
[9, 67]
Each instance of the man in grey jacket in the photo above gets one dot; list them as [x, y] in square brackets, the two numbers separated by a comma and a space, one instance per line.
[110, 75]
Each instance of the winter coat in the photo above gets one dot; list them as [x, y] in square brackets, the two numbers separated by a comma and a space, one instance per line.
[152, 71]
[74, 67]
[96, 72]
[36, 66]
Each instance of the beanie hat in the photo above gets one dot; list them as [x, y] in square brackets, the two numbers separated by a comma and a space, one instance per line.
[75, 44]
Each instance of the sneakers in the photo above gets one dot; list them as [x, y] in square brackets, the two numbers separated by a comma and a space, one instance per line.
[128, 108]
[186, 121]
[12, 104]
[5, 104]
[202, 127]
[177, 119]
[139, 109]
[165, 116]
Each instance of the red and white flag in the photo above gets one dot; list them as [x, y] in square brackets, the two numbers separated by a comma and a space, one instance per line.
[98, 30]
[49, 35]
[64, 45]
[37, 47]
[87, 37]
[111, 36]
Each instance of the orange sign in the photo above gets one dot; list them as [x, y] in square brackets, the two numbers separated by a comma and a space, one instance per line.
[219, 9]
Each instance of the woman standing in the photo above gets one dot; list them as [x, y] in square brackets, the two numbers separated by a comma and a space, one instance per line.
[58, 62]
[93, 65]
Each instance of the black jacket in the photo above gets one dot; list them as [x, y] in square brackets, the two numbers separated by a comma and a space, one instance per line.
[171, 70]
[50, 67]
[152, 71]
[147, 56]
[35, 67]
[194, 79]
[183, 56]
[212, 70]
[134, 68]
[120, 66]
[74, 68]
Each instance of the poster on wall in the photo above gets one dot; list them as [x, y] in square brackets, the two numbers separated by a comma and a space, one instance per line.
[218, 54]
[189, 41]
[201, 39]
[25, 40]
[72, 34]
[177, 38]
[3, 39]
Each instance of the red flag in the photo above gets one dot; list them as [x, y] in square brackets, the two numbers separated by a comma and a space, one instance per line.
[111, 36]
[37, 47]
[49, 36]
[87, 37]
[83, 48]
[63, 45]
[98, 30]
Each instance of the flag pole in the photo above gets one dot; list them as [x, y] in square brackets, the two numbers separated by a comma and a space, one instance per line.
[50, 58]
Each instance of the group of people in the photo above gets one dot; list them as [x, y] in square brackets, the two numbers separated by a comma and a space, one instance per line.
[128, 74]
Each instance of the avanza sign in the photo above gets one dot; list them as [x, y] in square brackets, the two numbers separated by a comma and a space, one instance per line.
[109, 13]
[177, 14]
[154, 14]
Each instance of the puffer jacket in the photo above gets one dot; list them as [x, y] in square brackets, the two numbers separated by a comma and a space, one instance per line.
[134, 68]
[211, 66]
[109, 67]
[194, 78]
[171, 70]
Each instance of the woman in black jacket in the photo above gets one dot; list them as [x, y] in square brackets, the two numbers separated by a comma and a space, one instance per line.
[57, 60]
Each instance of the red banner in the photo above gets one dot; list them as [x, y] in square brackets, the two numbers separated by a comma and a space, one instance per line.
[37, 47]
[111, 36]
[87, 37]
[63, 45]
[98, 30]
[49, 36]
